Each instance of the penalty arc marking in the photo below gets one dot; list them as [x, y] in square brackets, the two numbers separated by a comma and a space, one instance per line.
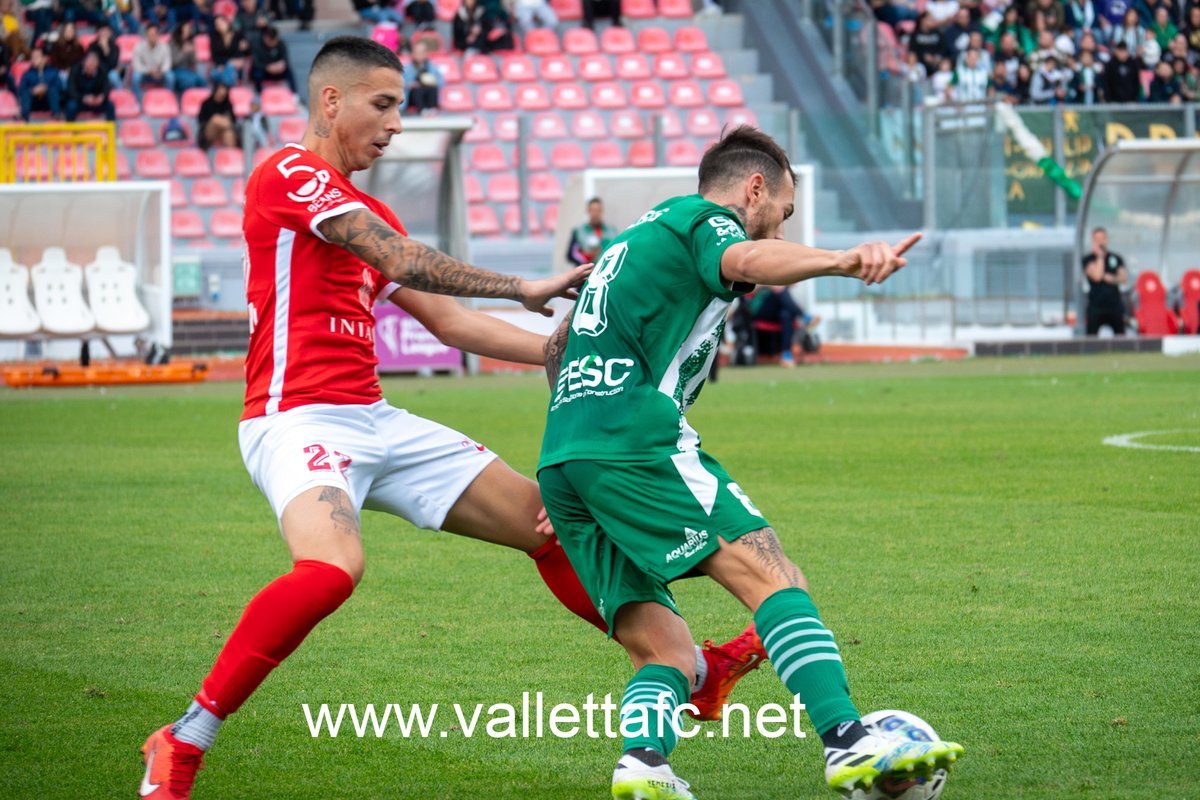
[1131, 440]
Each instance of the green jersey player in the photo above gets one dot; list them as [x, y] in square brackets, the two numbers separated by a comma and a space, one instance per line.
[637, 503]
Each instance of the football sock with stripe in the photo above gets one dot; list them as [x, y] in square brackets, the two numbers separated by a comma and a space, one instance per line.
[648, 708]
[806, 658]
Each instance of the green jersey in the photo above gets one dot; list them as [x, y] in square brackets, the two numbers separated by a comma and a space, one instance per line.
[643, 337]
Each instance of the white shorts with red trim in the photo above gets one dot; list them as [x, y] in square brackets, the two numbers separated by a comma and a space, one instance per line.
[385, 458]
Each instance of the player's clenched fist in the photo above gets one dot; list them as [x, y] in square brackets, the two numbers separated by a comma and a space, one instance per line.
[873, 262]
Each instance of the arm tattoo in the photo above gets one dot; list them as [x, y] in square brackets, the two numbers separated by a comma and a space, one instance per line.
[342, 514]
[741, 213]
[765, 547]
[556, 346]
[414, 264]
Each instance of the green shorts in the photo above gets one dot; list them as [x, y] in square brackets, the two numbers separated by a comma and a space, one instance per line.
[631, 527]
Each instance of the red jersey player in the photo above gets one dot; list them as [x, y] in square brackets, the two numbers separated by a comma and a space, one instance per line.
[317, 436]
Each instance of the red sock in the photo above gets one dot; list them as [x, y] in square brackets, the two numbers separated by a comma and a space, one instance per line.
[560, 577]
[274, 623]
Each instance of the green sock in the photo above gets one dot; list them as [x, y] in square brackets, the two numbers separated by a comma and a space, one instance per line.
[648, 713]
[805, 657]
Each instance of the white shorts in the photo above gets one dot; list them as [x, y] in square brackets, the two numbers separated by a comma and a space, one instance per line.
[385, 458]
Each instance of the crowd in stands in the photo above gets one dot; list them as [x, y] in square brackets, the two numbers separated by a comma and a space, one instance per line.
[1048, 52]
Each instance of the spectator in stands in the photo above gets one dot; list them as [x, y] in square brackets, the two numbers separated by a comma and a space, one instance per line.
[40, 88]
[470, 28]
[105, 48]
[1188, 76]
[777, 306]
[250, 22]
[1106, 275]
[122, 15]
[1008, 55]
[216, 124]
[377, 11]
[1177, 50]
[39, 14]
[255, 129]
[602, 7]
[1052, 13]
[85, 11]
[970, 81]
[1122, 76]
[1164, 86]
[180, 10]
[976, 43]
[230, 52]
[500, 25]
[1163, 29]
[156, 11]
[892, 14]
[6, 81]
[957, 35]
[1131, 34]
[939, 82]
[151, 61]
[269, 61]
[1087, 82]
[1081, 15]
[941, 12]
[1088, 42]
[589, 239]
[927, 43]
[67, 51]
[1049, 84]
[1045, 48]
[184, 74]
[1000, 88]
[10, 32]
[1192, 28]
[88, 90]
[1011, 25]
[422, 80]
[532, 14]
[915, 73]
[421, 13]
[1024, 81]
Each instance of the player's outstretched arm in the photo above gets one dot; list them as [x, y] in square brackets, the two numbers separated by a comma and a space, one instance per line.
[556, 346]
[469, 330]
[419, 266]
[778, 263]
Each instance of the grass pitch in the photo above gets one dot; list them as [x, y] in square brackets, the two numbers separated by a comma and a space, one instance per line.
[983, 559]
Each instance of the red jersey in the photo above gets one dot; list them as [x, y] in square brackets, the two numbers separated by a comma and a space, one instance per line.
[312, 327]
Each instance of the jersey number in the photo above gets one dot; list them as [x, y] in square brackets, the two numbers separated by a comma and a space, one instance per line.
[740, 494]
[320, 459]
[591, 312]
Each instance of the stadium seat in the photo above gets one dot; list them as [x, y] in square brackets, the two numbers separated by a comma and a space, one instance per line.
[185, 138]
[518, 69]
[608, 95]
[209, 193]
[725, 94]
[481, 131]
[488, 158]
[226, 223]
[237, 192]
[596, 67]
[203, 46]
[653, 40]
[160, 103]
[556, 68]
[192, 162]
[17, 70]
[535, 158]
[567, 156]
[125, 103]
[506, 127]
[633, 67]
[457, 99]
[448, 66]
[178, 194]
[1190, 313]
[549, 125]
[702, 123]
[668, 122]
[186, 224]
[472, 188]
[136, 133]
[125, 44]
[691, 40]
[707, 65]
[1153, 316]
[512, 220]
[435, 41]
[545, 187]
[686, 94]
[225, 8]
[32, 166]
[261, 154]
[152, 164]
[568, 10]
[112, 293]
[605, 155]
[641, 153]
[189, 102]
[9, 108]
[124, 173]
[588, 125]
[639, 9]
[533, 97]
[741, 116]
[482, 221]
[580, 42]
[480, 69]
[291, 129]
[647, 94]
[627, 125]
[677, 9]
[230, 162]
[58, 295]
[495, 97]
[683, 153]
[278, 101]
[542, 42]
[569, 97]
[73, 165]
[671, 67]
[17, 317]
[617, 41]
[446, 9]
[503, 188]
[241, 97]
[550, 219]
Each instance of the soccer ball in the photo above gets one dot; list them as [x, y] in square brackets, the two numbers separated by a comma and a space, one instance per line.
[903, 725]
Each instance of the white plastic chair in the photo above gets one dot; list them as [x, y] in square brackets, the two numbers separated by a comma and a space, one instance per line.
[58, 295]
[112, 293]
[17, 317]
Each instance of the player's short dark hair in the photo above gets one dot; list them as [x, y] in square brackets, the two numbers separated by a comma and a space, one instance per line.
[595, 200]
[356, 51]
[739, 154]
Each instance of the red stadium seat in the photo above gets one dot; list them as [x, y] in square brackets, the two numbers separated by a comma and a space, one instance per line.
[448, 66]
[568, 10]
[136, 133]
[230, 162]
[209, 193]
[226, 223]
[702, 123]
[203, 47]
[125, 103]
[647, 94]
[639, 9]
[480, 69]
[678, 9]
[241, 97]
[472, 188]
[671, 67]
[278, 101]
[480, 132]
[690, 40]
[544, 187]
[627, 125]
[518, 69]
[152, 164]
[535, 158]
[633, 67]
[189, 103]
[72, 165]
[125, 44]
[708, 65]
[641, 154]
[17, 70]
[605, 155]
[668, 122]
[686, 94]
[178, 194]
[550, 219]
[654, 40]
[741, 116]
[225, 8]
[683, 153]
[617, 41]
[482, 221]
[446, 9]
[160, 103]
[580, 42]
[512, 220]
[542, 42]
[192, 162]
[505, 127]
[608, 95]
[237, 192]
[9, 108]
[567, 156]
[1190, 313]
[557, 68]
[725, 94]
[457, 99]
[186, 224]
[503, 188]
[549, 125]
[291, 129]
[595, 68]
[495, 97]
[533, 97]
[488, 158]
[124, 173]
[32, 166]
[175, 143]
[588, 125]
[1153, 316]
[260, 155]
[570, 96]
